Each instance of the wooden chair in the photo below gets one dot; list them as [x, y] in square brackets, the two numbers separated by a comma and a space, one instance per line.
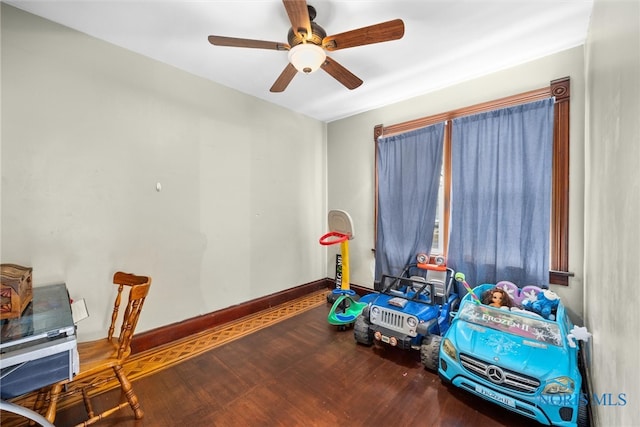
[107, 354]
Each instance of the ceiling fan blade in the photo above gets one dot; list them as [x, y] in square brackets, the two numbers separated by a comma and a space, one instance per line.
[284, 79]
[257, 44]
[341, 74]
[385, 31]
[299, 16]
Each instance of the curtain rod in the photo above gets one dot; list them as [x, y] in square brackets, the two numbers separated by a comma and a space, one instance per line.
[509, 101]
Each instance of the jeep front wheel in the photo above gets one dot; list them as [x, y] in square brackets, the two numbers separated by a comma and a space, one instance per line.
[430, 351]
[361, 331]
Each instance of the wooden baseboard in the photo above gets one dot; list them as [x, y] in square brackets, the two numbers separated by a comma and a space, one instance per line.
[175, 331]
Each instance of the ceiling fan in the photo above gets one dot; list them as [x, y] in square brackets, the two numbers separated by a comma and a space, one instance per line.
[308, 41]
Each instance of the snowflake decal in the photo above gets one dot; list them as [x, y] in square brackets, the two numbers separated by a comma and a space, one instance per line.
[555, 336]
[547, 334]
[469, 313]
[510, 291]
[530, 296]
[539, 333]
[502, 344]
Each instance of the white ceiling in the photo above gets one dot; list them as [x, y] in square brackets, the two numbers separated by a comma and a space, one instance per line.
[445, 42]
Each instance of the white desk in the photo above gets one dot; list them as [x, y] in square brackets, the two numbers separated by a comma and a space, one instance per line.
[38, 348]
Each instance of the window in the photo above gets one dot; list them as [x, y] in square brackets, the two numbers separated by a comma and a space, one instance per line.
[559, 248]
[437, 245]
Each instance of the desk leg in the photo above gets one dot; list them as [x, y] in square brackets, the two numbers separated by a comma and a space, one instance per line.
[27, 413]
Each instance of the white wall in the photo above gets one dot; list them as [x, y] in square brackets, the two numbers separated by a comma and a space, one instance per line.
[351, 155]
[88, 129]
[612, 207]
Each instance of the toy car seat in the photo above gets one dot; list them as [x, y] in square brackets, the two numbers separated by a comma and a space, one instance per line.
[441, 281]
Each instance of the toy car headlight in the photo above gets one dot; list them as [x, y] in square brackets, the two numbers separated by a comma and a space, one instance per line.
[449, 349]
[412, 322]
[375, 311]
[560, 385]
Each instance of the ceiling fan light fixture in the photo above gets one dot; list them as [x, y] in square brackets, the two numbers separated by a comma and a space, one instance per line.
[307, 57]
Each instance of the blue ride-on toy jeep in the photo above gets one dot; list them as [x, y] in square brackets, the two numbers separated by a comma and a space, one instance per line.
[411, 311]
[516, 358]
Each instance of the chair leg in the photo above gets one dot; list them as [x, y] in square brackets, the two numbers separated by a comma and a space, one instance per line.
[87, 403]
[38, 405]
[50, 414]
[125, 384]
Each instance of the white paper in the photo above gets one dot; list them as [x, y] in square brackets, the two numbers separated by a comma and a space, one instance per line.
[79, 310]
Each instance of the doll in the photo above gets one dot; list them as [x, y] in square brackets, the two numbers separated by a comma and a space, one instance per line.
[497, 297]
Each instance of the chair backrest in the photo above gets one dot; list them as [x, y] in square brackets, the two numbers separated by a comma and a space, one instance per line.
[139, 288]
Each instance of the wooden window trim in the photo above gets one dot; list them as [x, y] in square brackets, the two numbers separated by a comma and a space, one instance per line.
[559, 231]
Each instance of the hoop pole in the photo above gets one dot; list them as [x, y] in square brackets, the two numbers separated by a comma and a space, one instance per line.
[344, 249]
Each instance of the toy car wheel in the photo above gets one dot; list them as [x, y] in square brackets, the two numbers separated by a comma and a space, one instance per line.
[582, 420]
[429, 351]
[362, 332]
[331, 297]
[583, 416]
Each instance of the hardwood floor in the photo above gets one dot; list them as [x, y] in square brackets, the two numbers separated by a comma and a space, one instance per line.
[301, 372]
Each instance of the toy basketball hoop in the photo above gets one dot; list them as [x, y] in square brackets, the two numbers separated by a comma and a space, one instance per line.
[340, 231]
[333, 237]
[340, 228]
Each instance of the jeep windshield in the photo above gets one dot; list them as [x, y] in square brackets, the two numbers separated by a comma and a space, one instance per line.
[511, 322]
[410, 288]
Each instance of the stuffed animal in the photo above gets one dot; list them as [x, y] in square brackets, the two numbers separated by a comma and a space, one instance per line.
[545, 304]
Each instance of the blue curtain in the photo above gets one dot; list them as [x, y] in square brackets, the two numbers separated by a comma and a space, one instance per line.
[409, 168]
[501, 194]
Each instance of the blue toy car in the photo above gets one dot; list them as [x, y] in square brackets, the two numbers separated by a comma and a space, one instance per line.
[410, 312]
[514, 358]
